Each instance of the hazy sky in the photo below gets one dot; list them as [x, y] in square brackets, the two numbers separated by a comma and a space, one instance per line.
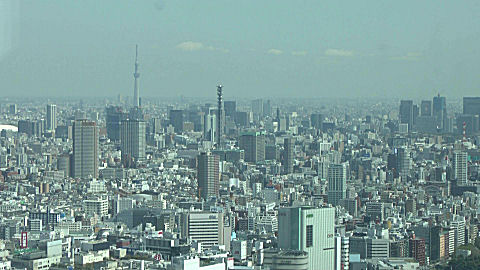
[300, 48]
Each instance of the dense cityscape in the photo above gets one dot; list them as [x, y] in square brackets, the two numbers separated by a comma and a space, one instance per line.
[239, 135]
[127, 183]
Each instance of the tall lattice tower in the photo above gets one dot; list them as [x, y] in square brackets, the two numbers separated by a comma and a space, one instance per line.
[136, 75]
[219, 116]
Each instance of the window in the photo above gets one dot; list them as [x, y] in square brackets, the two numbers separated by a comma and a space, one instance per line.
[309, 235]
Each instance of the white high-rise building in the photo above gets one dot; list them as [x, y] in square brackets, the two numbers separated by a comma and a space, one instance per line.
[51, 117]
[210, 127]
[458, 224]
[98, 206]
[342, 253]
[460, 167]
[337, 183]
[309, 229]
[85, 149]
[205, 228]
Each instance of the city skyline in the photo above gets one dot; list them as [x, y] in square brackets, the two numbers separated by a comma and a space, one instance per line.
[263, 135]
[356, 60]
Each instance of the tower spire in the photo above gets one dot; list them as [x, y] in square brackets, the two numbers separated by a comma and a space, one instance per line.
[219, 115]
[136, 75]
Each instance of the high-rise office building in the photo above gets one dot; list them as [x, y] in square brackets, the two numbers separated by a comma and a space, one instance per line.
[257, 108]
[242, 119]
[403, 161]
[209, 127]
[177, 117]
[230, 108]
[426, 108]
[288, 155]
[51, 117]
[337, 183]
[309, 229]
[439, 111]
[253, 143]
[471, 105]
[63, 164]
[157, 126]
[85, 149]
[35, 128]
[425, 122]
[416, 113]
[205, 228]
[132, 138]
[316, 120]
[208, 175]
[406, 113]
[460, 167]
[267, 108]
[114, 115]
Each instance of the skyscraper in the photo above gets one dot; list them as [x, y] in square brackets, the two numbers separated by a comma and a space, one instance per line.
[426, 123]
[114, 115]
[177, 117]
[337, 183]
[440, 111]
[85, 149]
[316, 120]
[471, 105]
[404, 161]
[209, 126]
[267, 108]
[426, 108]
[257, 108]
[288, 146]
[309, 229]
[253, 143]
[51, 117]
[460, 167]
[230, 108]
[136, 75]
[406, 113]
[132, 137]
[208, 174]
